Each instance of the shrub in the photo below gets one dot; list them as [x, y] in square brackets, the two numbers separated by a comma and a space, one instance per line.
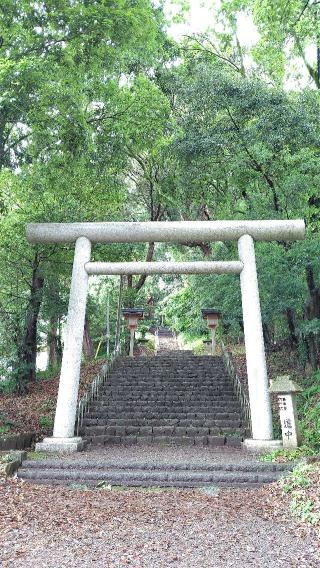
[45, 421]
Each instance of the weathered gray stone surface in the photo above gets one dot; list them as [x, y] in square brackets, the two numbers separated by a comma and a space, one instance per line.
[67, 445]
[260, 402]
[166, 231]
[70, 369]
[155, 466]
[17, 441]
[198, 267]
[262, 446]
[284, 384]
[9, 468]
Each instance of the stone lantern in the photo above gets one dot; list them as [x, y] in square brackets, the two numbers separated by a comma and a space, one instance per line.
[132, 317]
[212, 317]
[287, 390]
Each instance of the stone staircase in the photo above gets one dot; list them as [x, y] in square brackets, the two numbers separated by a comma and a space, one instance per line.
[173, 398]
[166, 340]
[92, 470]
[167, 421]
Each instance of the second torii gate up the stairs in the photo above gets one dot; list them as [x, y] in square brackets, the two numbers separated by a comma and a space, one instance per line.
[84, 234]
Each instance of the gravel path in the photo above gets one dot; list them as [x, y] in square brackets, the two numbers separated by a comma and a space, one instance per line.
[156, 454]
[54, 527]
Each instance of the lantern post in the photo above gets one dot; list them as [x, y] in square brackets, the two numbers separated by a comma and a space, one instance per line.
[212, 318]
[132, 317]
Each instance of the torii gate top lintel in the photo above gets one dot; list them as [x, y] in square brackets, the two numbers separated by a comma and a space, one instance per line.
[166, 231]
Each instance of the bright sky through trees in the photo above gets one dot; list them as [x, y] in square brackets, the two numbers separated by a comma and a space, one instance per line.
[201, 16]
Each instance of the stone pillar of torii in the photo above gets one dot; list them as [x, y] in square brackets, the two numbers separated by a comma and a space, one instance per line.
[85, 234]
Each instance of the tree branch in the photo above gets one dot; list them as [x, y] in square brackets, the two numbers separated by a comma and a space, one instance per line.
[255, 164]
[213, 52]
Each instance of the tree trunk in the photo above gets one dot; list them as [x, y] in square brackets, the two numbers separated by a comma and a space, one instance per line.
[143, 277]
[267, 335]
[311, 312]
[293, 339]
[87, 345]
[28, 350]
[54, 343]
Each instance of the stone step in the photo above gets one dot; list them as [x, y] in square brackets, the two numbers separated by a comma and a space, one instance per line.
[170, 394]
[141, 393]
[169, 381]
[212, 404]
[150, 422]
[165, 378]
[148, 414]
[168, 477]
[178, 373]
[173, 362]
[171, 372]
[164, 429]
[145, 429]
[158, 414]
[94, 463]
[176, 484]
[145, 419]
[179, 406]
[178, 364]
[216, 438]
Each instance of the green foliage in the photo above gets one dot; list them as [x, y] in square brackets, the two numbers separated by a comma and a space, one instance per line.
[286, 30]
[103, 118]
[7, 458]
[49, 373]
[45, 421]
[76, 102]
[309, 410]
[285, 455]
[304, 508]
[37, 455]
[297, 484]
[7, 386]
[198, 347]
[79, 487]
[298, 478]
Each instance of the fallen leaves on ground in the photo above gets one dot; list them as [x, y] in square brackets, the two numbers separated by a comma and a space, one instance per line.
[168, 525]
[34, 412]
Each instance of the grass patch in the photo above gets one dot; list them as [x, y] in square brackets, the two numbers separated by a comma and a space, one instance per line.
[301, 485]
[7, 458]
[49, 373]
[8, 386]
[79, 487]
[45, 421]
[284, 455]
[39, 455]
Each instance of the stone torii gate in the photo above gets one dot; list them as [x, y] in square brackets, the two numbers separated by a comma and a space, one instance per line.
[84, 234]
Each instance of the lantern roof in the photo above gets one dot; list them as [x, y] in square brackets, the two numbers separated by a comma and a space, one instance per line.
[126, 312]
[210, 312]
[284, 384]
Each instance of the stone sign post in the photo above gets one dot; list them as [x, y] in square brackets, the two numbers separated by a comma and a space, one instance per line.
[132, 316]
[286, 389]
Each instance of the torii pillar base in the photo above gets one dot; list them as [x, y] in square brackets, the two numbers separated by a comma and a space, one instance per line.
[61, 445]
[261, 446]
